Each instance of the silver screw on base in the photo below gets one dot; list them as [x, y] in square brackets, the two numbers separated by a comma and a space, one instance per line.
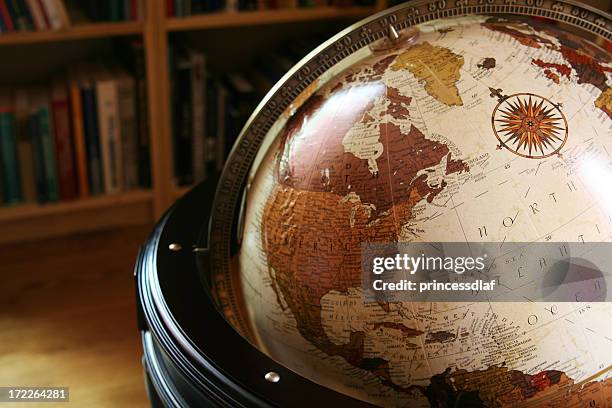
[272, 377]
[175, 247]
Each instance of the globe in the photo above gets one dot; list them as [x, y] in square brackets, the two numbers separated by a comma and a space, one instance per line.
[478, 128]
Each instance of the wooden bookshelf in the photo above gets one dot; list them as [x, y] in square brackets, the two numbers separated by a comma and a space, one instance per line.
[76, 32]
[33, 210]
[26, 222]
[244, 18]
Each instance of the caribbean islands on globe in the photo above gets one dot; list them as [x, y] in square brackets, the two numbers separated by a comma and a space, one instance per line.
[478, 128]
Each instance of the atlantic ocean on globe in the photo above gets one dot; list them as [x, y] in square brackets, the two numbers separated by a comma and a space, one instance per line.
[480, 128]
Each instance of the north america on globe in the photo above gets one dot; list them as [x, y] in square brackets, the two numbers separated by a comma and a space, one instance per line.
[477, 129]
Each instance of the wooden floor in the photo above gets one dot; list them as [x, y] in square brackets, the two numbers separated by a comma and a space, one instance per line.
[67, 318]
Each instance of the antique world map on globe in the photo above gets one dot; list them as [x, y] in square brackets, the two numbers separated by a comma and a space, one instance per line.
[475, 129]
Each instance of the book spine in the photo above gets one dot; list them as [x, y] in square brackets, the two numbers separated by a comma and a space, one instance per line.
[211, 124]
[3, 28]
[64, 154]
[232, 121]
[115, 11]
[110, 139]
[27, 16]
[26, 170]
[178, 8]
[78, 138]
[144, 158]
[16, 17]
[6, 16]
[41, 7]
[48, 147]
[221, 125]
[140, 9]
[128, 14]
[38, 158]
[198, 6]
[24, 146]
[62, 13]
[129, 134]
[96, 183]
[37, 14]
[198, 90]
[183, 135]
[10, 167]
[52, 14]
[170, 8]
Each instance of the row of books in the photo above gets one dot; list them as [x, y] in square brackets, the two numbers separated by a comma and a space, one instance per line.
[183, 8]
[85, 133]
[41, 15]
[113, 10]
[209, 110]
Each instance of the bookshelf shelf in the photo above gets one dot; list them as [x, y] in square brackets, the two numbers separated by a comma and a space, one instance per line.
[76, 32]
[33, 210]
[34, 221]
[243, 18]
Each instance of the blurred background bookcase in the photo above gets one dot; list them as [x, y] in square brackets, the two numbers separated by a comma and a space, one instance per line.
[231, 38]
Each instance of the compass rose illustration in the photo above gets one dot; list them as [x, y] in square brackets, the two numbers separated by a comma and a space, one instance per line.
[528, 125]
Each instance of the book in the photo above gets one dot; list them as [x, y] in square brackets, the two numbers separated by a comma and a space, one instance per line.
[37, 157]
[24, 145]
[222, 100]
[133, 10]
[6, 16]
[8, 150]
[247, 4]
[3, 28]
[129, 132]
[78, 134]
[137, 13]
[66, 167]
[116, 10]
[27, 15]
[48, 150]
[37, 14]
[242, 100]
[92, 138]
[199, 6]
[44, 14]
[287, 4]
[132, 54]
[19, 21]
[198, 91]
[52, 14]
[182, 121]
[62, 13]
[126, 9]
[207, 6]
[231, 5]
[26, 170]
[109, 132]
[142, 101]
[210, 147]
[179, 9]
